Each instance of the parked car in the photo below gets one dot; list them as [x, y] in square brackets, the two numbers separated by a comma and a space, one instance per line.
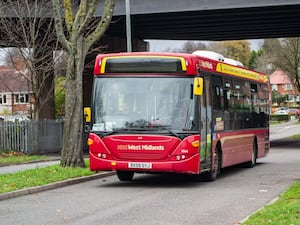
[282, 108]
[281, 112]
[295, 112]
[15, 118]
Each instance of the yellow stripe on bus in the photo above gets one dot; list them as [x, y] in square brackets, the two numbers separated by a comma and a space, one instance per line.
[103, 62]
[240, 72]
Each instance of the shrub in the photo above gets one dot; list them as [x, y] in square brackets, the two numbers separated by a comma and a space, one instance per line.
[280, 117]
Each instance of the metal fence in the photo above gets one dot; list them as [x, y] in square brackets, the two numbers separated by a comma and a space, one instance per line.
[32, 137]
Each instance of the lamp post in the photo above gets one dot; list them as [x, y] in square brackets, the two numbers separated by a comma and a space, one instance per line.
[128, 25]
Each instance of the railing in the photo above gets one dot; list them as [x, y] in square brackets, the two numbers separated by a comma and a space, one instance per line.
[32, 137]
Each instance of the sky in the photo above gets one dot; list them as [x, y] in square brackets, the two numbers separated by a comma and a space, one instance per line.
[161, 45]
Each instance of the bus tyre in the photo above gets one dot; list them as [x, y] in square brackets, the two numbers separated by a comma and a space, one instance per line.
[212, 174]
[252, 162]
[125, 175]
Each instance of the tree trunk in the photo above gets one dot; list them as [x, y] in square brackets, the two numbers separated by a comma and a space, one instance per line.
[72, 152]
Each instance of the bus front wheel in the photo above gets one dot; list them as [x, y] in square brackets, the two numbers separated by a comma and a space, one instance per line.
[125, 175]
[214, 172]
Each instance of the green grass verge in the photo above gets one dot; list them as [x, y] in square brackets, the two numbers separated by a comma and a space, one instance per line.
[285, 211]
[297, 136]
[40, 176]
[276, 122]
[4, 159]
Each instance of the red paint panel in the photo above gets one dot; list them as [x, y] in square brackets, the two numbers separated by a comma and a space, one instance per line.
[165, 153]
[237, 145]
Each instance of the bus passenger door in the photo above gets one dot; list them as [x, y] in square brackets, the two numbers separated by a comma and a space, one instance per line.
[205, 125]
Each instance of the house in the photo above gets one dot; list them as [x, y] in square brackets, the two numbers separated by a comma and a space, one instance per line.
[16, 96]
[281, 84]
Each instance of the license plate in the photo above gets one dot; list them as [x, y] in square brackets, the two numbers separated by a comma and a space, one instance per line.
[139, 165]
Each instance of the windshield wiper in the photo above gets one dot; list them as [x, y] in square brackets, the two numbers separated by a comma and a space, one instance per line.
[172, 132]
[141, 123]
[146, 125]
[115, 130]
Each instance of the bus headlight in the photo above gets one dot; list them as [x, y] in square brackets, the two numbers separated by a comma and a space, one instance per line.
[195, 144]
[90, 142]
[101, 155]
[180, 157]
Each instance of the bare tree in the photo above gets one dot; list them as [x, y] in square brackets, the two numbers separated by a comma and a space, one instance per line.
[24, 24]
[191, 46]
[268, 55]
[237, 50]
[283, 54]
[188, 47]
[288, 59]
[77, 31]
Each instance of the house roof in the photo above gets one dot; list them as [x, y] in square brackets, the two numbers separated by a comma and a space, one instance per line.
[13, 81]
[279, 77]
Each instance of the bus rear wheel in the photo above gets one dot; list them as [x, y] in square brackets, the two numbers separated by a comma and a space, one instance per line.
[125, 175]
[252, 162]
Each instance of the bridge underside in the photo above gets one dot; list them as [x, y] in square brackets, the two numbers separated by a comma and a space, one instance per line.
[215, 25]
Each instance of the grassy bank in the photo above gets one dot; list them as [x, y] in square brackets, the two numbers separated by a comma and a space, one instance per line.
[285, 211]
[297, 136]
[39, 176]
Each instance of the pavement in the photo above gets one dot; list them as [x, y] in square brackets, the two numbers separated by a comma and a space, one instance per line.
[26, 166]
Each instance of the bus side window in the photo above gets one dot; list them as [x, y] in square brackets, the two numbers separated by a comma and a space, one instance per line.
[238, 105]
[254, 106]
[247, 96]
[246, 109]
[227, 95]
[228, 105]
[254, 98]
[237, 96]
[217, 93]
[263, 105]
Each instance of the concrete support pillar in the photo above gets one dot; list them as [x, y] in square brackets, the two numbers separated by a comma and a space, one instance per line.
[45, 85]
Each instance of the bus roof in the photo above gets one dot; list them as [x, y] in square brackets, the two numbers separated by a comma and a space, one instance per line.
[171, 63]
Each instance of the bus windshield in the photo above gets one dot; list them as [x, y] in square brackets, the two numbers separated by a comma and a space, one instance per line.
[143, 102]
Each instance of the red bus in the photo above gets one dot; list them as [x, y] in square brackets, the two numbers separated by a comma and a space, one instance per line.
[175, 113]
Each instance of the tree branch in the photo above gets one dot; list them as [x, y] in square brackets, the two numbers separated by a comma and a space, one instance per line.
[102, 25]
[88, 15]
[68, 14]
[59, 25]
[80, 16]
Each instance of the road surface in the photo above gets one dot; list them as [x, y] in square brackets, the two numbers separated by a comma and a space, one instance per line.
[284, 130]
[161, 199]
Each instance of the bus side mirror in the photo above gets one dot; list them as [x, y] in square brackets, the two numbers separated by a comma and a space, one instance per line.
[87, 114]
[198, 86]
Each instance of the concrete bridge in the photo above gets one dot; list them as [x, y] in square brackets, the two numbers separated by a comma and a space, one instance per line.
[208, 19]
[200, 19]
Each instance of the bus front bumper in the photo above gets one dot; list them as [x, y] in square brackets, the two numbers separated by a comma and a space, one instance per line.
[190, 165]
